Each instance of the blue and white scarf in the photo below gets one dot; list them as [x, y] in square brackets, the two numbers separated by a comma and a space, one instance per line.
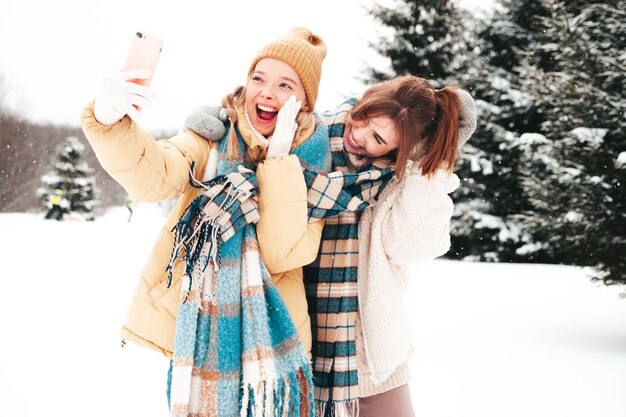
[237, 351]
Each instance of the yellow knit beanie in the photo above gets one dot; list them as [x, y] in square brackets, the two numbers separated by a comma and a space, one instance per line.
[304, 52]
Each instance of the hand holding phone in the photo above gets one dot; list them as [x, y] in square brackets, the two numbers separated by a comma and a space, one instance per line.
[126, 92]
[119, 96]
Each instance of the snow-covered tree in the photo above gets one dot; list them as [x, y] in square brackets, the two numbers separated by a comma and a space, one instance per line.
[486, 224]
[575, 167]
[74, 176]
[436, 40]
[423, 39]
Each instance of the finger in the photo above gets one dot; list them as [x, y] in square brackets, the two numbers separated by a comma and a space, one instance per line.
[134, 74]
[144, 102]
[293, 105]
[119, 108]
[288, 104]
[131, 111]
[290, 107]
[285, 107]
[140, 90]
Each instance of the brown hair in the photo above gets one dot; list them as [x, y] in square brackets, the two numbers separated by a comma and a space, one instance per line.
[237, 98]
[427, 120]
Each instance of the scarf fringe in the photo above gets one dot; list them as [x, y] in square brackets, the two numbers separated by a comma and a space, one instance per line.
[336, 408]
[197, 233]
[286, 397]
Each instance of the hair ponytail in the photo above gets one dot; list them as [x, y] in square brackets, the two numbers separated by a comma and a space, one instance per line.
[442, 136]
[229, 103]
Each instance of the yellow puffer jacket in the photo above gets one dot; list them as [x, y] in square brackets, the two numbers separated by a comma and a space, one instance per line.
[152, 170]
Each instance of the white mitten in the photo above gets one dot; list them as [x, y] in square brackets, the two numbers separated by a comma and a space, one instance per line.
[118, 96]
[280, 143]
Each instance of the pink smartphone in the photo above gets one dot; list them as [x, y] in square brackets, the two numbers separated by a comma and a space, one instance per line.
[145, 51]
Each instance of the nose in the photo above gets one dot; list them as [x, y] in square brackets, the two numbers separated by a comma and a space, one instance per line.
[267, 92]
[357, 133]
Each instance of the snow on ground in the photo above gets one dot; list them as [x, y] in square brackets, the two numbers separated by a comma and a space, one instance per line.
[491, 340]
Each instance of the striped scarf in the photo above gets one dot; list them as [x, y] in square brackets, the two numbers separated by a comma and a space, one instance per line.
[236, 349]
[237, 352]
[331, 287]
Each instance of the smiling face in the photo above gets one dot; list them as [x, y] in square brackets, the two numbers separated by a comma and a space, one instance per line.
[269, 86]
[373, 137]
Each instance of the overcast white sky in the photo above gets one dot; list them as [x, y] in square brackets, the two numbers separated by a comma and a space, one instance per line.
[53, 54]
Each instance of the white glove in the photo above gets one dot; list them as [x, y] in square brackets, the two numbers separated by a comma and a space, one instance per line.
[286, 126]
[118, 96]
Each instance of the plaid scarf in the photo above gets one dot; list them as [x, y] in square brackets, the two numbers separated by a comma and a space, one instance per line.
[236, 349]
[331, 287]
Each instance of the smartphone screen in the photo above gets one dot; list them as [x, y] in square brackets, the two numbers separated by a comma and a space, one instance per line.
[144, 53]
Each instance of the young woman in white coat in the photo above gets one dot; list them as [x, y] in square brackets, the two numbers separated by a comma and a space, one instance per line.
[361, 328]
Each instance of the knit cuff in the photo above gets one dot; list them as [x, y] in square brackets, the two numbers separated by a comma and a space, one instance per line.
[401, 376]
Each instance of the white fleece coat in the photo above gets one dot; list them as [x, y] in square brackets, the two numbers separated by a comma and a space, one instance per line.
[410, 223]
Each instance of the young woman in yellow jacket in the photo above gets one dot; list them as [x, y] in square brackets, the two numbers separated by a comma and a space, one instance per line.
[153, 170]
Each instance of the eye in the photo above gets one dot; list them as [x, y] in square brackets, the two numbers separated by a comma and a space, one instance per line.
[287, 86]
[378, 139]
[256, 78]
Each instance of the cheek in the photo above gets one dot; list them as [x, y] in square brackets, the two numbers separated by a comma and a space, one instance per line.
[281, 101]
[250, 94]
[300, 96]
[283, 96]
[377, 150]
[249, 105]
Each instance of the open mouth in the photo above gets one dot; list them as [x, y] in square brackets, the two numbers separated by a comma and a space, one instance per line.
[349, 140]
[265, 114]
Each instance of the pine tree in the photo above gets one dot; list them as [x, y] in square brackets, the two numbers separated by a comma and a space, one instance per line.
[73, 175]
[426, 36]
[576, 167]
[436, 40]
[486, 224]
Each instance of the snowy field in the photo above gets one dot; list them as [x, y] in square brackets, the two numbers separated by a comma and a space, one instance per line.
[491, 340]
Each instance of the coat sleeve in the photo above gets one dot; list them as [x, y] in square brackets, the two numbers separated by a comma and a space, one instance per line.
[416, 224]
[149, 170]
[286, 239]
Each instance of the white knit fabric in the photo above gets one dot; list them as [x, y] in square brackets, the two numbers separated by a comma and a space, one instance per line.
[367, 387]
[410, 223]
[468, 122]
